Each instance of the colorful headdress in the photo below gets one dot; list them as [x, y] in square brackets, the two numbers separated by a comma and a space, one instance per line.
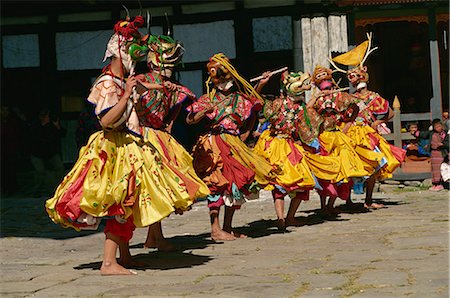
[356, 57]
[220, 71]
[322, 76]
[295, 83]
[126, 43]
[164, 51]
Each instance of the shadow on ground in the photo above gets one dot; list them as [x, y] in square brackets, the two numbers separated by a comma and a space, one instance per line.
[26, 217]
[155, 260]
[266, 227]
[186, 242]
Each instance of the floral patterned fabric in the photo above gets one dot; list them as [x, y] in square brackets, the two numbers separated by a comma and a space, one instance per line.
[371, 105]
[120, 174]
[154, 105]
[292, 118]
[230, 111]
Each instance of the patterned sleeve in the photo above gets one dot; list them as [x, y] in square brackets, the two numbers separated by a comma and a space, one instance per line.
[104, 96]
[250, 105]
[183, 94]
[200, 104]
[344, 100]
[379, 105]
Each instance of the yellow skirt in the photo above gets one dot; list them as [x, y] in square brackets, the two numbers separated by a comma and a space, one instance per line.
[178, 159]
[339, 145]
[284, 154]
[118, 174]
[223, 160]
[376, 153]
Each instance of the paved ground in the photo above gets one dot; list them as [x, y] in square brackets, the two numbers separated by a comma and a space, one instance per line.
[398, 251]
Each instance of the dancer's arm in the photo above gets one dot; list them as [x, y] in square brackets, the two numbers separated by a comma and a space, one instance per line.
[117, 110]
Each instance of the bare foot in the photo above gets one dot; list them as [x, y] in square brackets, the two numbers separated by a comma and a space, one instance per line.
[130, 263]
[166, 246]
[150, 244]
[295, 222]
[222, 235]
[281, 224]
[238, 235]
[108, 268]
[374, 206]
[162, 245]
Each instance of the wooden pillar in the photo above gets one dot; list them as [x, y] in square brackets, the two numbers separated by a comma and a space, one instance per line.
[243, 30]
[298, 51]
[397, 123]
[436, 100]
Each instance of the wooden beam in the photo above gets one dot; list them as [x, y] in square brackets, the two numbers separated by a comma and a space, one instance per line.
[436, 100]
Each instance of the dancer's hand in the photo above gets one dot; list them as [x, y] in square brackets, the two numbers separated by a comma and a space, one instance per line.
[170, 86]
[131, 83]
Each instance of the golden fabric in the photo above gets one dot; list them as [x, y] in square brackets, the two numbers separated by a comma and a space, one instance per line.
[364, 146]
[209, 162]
[177, 157]
[276, 150]
[113, 168]
[337, 144]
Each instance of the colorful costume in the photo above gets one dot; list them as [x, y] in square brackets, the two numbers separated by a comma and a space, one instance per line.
[336, 107]
[378, 155]
[156, 106]
[278, 144]
[120, 174]
[221, 158]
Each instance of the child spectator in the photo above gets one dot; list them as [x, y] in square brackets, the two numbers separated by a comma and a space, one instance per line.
[445, 120]
[439, 149]
[262, 125]
[418, 148]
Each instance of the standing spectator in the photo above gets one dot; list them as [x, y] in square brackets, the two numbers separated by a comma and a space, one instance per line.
[439, 149]
[45, 152]
[263, 124]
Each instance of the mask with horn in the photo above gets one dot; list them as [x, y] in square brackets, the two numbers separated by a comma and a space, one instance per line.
[127, 43]
[356, 57]
[164, 52]
[295, 83]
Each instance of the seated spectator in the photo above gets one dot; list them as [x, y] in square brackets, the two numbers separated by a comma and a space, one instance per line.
[262, 125]
[418, 148]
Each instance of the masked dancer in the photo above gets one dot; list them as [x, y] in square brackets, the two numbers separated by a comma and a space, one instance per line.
[380, 158]
[159, 105]
[119, 175]
[221, 158]
[279, 145]
[335, 107]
